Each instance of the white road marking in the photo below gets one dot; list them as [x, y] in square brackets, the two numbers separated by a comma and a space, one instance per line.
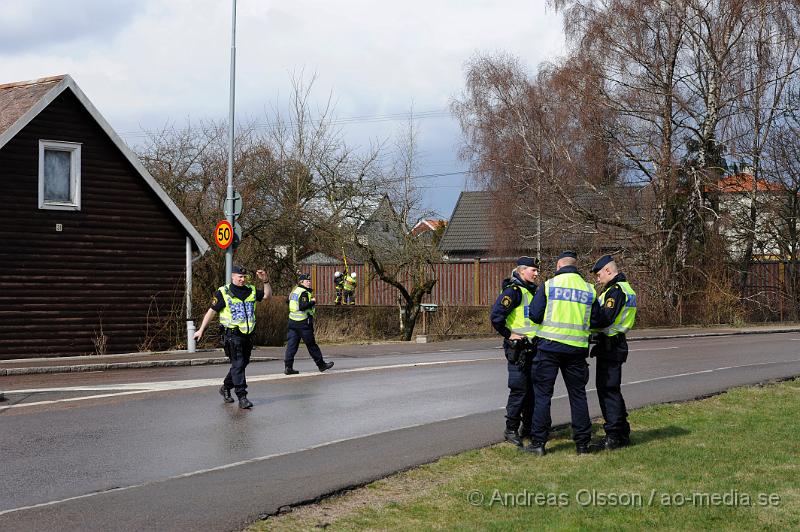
[341, 440]
[655, 348]
[161, 386]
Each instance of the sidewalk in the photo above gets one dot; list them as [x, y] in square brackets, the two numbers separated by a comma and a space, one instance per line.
[264, 354]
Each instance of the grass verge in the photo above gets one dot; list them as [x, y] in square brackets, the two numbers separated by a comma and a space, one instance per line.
[727, 462]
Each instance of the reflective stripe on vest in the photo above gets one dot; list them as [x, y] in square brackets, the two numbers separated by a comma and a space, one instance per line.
[568, 311]
[238, 314]
[349, 283]
[627, 316]
[519, 320]
[295, 314]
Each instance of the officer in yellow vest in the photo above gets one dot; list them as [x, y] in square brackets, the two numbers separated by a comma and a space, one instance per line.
[566, 308]
[618, 301]
[510, 318]
[301, 326]
[236, 305]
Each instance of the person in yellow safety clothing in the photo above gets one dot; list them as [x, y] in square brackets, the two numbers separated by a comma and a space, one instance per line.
[510, 317]
[236, 305]
[618, 301]
[566, 308]
[301, 326]
[349, 286]
[338, 286]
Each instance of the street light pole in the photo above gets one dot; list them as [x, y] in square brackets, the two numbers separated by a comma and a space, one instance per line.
[229, 201]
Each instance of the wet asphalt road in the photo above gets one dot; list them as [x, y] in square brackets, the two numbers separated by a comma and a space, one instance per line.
[157, 450]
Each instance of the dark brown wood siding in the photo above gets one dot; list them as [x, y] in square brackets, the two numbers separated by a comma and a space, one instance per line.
[117, 265]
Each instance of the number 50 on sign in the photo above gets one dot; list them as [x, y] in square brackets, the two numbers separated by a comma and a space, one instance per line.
[223, 234]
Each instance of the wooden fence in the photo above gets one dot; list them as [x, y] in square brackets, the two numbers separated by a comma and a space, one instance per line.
[477, 283]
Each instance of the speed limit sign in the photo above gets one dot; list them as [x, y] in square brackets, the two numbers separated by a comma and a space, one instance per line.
[223, 234]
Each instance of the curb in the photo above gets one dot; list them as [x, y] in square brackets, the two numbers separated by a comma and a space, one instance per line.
[707, 334]
[77, 368]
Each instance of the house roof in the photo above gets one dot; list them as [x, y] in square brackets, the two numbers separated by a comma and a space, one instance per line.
[22, 101]
[427, 225]
[468, 228]
[744, 182]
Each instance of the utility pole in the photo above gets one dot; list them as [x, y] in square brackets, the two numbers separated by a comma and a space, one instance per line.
[229, 200]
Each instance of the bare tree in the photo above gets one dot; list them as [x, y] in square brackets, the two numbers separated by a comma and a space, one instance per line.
[403, 260]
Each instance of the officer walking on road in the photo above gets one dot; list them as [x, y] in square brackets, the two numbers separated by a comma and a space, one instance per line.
[566, 307]
[618, 302]
[510, 317]
[236, 305]
[301, 326]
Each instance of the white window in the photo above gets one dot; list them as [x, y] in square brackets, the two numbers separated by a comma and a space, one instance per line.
[59, 175]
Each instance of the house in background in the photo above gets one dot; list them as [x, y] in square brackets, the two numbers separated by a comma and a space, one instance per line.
[485, 226]
[93, 253]
[733, 196]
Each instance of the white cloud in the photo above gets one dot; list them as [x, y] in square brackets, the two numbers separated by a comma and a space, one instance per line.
[148, 62]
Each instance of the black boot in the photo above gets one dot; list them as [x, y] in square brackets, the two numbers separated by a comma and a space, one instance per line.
[535, 448]
[226, 394]
[511, 436]
[582, 448]
[290, 370]
[609, 443]
[244, 402]
[325, 366]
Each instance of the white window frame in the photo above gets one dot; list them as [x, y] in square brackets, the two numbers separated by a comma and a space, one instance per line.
[74, 149]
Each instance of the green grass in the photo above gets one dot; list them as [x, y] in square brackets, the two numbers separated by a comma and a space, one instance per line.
[740, 444]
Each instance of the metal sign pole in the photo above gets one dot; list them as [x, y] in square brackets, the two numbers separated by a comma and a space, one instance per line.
[229, 201]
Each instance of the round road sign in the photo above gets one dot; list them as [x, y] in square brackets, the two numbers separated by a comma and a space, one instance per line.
[223, 234]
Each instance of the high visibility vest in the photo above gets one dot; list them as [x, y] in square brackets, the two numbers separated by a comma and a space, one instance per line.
[519, 320]
[624, 320]
[295, 314]
[568, 311]
[349, 283]
[238, 314]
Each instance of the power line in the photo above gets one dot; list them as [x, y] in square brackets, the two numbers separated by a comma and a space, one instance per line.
[363, 119]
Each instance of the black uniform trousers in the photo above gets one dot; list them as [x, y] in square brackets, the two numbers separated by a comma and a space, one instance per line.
[608, 381]
[237, 348]
[519, 408]
[303, 332]
[575, 372]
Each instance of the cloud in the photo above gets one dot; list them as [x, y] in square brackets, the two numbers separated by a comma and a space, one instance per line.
[27, 25]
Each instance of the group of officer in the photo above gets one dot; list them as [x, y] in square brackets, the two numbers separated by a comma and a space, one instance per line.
[547, 328]
[236, 305]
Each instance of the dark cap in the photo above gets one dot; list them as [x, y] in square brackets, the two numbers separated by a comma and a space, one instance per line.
[528, 261]
[238, 268]
[304, 277]
[601, 262]
[568, 254]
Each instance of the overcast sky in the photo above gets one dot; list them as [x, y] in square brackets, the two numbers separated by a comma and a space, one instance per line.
[147, 63]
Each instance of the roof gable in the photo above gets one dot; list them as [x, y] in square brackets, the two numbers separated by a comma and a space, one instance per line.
[468, 228]
[21, 102]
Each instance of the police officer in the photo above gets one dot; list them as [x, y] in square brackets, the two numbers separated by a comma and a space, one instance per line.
[301, 326]
[510, 318]
[236, 305]
[618, 302]
[566, 307]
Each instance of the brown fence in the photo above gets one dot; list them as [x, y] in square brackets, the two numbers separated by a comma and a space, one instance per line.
[477, 283]
[472, 283]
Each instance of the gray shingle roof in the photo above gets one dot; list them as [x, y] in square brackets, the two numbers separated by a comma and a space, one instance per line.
[468, 228]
